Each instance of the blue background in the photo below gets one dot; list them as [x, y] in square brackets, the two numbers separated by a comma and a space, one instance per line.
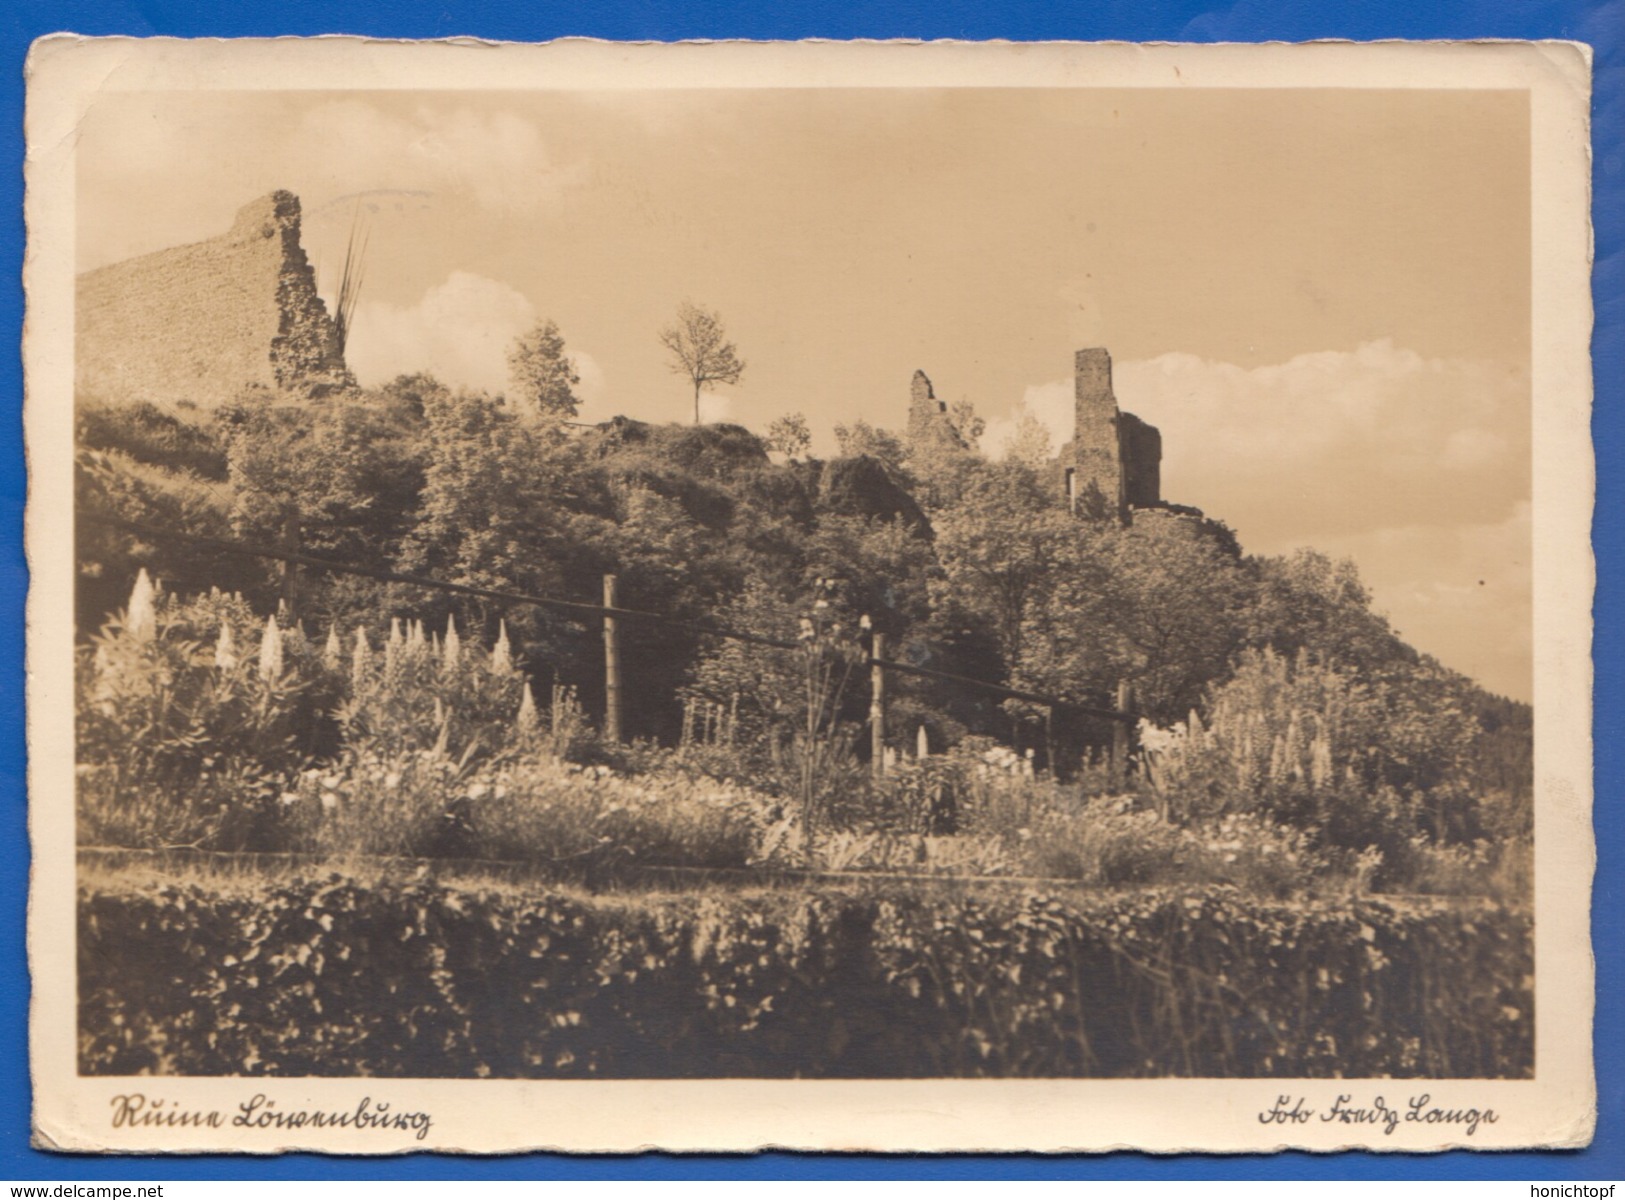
[1602, 24]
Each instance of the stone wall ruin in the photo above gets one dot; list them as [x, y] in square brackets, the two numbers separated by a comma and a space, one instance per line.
[1113, 465]
[928, 421]
[199, 323]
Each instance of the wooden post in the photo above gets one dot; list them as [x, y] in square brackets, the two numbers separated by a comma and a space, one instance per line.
[612, 666]
[290, 571]
[877, 708]
[1121, 731]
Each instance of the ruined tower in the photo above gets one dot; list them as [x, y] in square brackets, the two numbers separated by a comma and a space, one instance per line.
[201, 322]
[928, 417]
[1116, 458]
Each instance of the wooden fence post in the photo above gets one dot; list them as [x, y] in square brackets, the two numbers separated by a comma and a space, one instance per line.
[612, 666]
[877, 708]
[290, 570]
[1122, 730]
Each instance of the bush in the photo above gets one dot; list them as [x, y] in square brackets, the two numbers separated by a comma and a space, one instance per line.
[181, 740]
[1108, 842]
[531, 807]
[195, 720]
[150, 434]
[331, 977]
[1364, 767]
[1502, 870]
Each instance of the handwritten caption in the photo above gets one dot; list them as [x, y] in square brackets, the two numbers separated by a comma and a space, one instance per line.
[1416, 1110]
[137, 1110]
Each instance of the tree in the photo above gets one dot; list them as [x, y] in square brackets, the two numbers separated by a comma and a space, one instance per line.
[700, 349]
[860, 437]
[488, 516]
[1002, 546]
[1161, 604]
[540, 373]
[1029, 443]
[970, 427]
[1307, 601]
[789, 435]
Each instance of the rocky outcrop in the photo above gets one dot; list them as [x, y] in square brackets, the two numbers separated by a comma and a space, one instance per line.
[201, 322]
[861, 486]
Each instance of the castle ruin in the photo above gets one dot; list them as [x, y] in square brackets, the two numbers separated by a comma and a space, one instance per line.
[199, 323]
[928, 421]
[1111, 468]
[1113, 464]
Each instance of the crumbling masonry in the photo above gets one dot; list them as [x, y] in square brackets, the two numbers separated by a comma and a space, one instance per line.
[1112, 467]
[928, 420]
[199, 323]
[1115, 458]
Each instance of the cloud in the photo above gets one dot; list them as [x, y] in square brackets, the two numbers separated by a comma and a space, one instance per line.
[498, 158]
[459, 331]
[1334, 442]
[163, 169]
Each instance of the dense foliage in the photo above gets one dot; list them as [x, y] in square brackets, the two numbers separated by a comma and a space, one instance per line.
[1271, 693]
[330, 977]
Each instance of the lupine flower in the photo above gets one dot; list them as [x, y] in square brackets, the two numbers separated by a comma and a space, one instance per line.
[360, 659]
[225, 650]
[141, 617]
[501, 653]
[271, 650]
[453, 647]
[333, 652]
[527, 710]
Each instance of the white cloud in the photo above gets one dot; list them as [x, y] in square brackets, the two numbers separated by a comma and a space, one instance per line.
[1328, 442]
[459, 331]
[498, 158]
[1338, 442]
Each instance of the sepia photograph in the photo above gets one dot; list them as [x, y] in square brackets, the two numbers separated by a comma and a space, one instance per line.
[899, 576]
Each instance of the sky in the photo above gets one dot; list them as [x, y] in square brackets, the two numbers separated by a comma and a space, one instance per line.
[1320, 297]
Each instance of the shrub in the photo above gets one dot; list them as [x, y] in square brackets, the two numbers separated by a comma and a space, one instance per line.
[195, 719]
[181, 739]
[1107, 842]
[419, 694]
[1503, 870]
[150, 434]
[529, 807]
[332, 977]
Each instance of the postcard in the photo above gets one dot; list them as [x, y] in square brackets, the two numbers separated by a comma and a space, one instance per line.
[872, 596]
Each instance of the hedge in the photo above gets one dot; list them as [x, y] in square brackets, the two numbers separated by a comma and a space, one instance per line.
[328, 976]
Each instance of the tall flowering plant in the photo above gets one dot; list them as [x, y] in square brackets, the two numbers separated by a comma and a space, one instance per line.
[831, 651]
[419, 691]
[186, 720]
